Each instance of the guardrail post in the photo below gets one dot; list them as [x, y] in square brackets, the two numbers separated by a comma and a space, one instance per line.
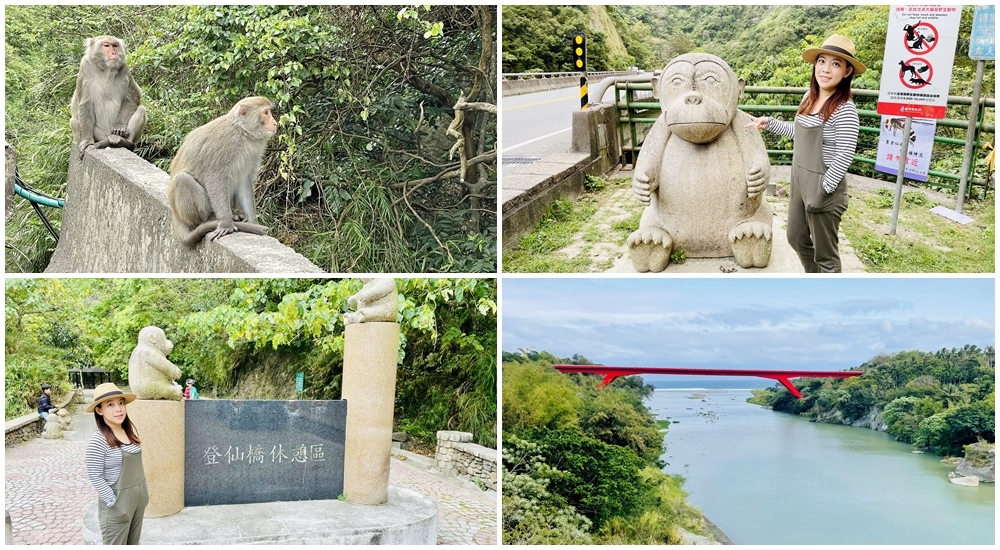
[970, 136]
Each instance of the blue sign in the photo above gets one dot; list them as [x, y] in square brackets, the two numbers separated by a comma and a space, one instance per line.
[983, 44]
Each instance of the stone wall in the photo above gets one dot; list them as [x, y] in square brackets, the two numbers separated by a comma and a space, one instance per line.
[116, 220]
[456, 453]
[27, 427]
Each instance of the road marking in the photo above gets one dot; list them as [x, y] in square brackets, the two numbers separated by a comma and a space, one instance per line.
[568, 98]
[530, 141]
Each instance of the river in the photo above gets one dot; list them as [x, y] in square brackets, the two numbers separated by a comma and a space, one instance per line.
[774, 478]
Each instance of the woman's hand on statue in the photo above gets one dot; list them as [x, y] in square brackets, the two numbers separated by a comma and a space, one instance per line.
[757, 123]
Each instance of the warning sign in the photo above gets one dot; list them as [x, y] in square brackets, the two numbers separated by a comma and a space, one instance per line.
[918, 153]
[920, 41]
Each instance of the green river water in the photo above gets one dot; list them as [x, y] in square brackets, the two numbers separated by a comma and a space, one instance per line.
[773, 478]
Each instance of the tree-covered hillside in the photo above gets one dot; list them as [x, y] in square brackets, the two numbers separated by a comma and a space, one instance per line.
[943, 400]
[762, 43]
[580, 464]
[362, 176]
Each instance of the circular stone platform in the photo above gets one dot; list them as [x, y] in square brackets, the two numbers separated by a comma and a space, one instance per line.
[407, 518]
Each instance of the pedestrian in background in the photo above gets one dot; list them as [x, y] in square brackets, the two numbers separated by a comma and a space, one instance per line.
[45, 405]
[190, 392]
[114, 466]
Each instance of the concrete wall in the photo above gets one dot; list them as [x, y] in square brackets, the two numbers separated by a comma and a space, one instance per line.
[528, 192]
[595, 131]
[30, 426]
[116, 220]
[456, 453]
[532, 85]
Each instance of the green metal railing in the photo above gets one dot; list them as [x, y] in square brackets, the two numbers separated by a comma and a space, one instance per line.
[638, 110]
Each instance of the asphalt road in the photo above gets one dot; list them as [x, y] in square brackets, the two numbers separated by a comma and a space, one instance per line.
[538, 124]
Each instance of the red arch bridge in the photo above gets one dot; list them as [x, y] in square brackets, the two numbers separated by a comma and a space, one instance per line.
[783, 376]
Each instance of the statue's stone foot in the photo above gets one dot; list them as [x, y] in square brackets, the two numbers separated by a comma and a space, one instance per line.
[649, 249]
[751, 244]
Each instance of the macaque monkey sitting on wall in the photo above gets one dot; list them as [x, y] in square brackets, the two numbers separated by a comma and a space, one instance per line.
[105, 107]
[212, 175]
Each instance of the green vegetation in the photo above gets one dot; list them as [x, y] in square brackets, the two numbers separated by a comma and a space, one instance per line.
[924, 242]
[246, 339]
[572, 236]
[581, 464]
[358, 178]
[943, 400]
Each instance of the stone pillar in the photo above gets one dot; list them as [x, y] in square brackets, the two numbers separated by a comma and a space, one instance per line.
[370, 353]
[160, 426]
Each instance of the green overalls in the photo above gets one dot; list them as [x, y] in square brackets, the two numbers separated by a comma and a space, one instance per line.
[122, 523]
[813, 216]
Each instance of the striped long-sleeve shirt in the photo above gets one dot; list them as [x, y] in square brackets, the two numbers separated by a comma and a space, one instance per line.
[840, 139]
[104, 465]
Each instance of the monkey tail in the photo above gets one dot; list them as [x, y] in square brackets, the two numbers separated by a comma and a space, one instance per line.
[253, 228]
[191, 238]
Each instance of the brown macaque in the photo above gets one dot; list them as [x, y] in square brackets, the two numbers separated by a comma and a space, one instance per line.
[211, 178]
[105, 108]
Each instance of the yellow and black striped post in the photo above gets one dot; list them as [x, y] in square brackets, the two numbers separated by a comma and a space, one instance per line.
[580, 63]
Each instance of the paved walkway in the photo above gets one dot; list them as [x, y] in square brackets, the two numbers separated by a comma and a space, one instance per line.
[47, 492]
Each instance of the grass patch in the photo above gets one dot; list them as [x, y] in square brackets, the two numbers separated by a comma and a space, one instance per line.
[924, 242]
[534, 254]
[568, 221]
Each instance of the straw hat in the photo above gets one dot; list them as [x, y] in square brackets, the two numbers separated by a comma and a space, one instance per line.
[108, 391]
[840, 46]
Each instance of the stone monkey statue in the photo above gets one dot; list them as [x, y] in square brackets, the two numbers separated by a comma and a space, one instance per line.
[150, 373]
[212, 175]
[105, 110]
[376, 302]
[700, 173]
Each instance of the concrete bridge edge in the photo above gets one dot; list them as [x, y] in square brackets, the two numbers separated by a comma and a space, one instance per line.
[116, 220]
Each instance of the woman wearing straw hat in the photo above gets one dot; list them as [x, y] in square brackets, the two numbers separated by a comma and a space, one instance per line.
[825, 134]
[114, 466]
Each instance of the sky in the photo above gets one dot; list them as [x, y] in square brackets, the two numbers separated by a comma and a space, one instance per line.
[817, 323]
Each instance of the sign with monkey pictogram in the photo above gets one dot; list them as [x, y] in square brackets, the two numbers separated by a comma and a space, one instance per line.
[919, 53]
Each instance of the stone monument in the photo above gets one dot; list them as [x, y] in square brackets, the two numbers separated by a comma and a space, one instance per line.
[239, 452]
[273, 472]
[700, 174]
[158, 414]
[371, 350]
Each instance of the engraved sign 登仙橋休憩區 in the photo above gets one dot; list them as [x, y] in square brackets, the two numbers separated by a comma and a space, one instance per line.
[243, 451]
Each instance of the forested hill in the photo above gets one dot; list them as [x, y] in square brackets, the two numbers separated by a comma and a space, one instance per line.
[762, 43]
[581, 465]
[943, 400]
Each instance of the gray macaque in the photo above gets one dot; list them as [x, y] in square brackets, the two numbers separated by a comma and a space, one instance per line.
[212, 176]
[105, 110]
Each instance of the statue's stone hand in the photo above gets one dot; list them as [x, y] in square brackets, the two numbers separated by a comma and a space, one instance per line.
[756, 181]
[642, 188]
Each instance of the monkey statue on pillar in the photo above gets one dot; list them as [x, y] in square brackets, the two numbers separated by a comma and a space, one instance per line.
[376, 302]
[150, 373]
[700, 174]
[211, 178]
[105, 107]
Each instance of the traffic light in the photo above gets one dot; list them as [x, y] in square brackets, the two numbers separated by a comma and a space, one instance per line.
[580, 52]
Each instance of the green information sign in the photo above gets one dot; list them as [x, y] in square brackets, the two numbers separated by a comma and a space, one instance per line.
[300, 378]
